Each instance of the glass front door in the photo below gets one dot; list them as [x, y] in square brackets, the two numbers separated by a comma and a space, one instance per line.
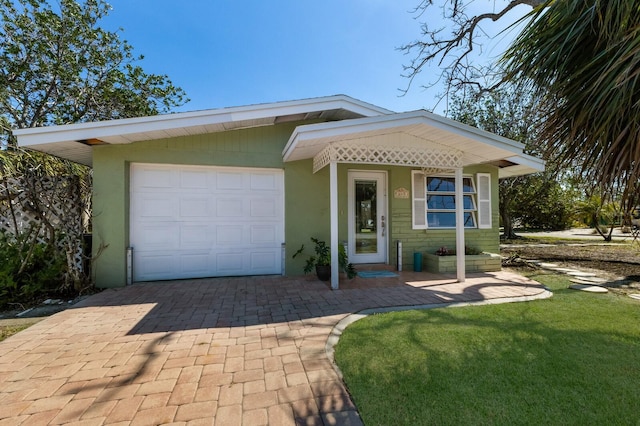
[367, 217]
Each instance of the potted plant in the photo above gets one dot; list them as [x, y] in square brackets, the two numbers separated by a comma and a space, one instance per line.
[321, 260]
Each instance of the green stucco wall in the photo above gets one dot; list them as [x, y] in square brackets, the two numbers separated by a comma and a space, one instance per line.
[306, 196]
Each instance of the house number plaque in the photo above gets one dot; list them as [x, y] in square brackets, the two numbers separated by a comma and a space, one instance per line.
[401, 193]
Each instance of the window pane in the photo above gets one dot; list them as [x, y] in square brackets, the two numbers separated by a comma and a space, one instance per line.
[467, 185]
[441, 220]
[469, 221]
[468, 202]
[448, 220]
[441, 202]
[447, 184]
[441, 184]
[366, 218]
[448, 202]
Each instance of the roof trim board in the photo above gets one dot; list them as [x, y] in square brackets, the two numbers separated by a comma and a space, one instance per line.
[166, 122]
[348, 119]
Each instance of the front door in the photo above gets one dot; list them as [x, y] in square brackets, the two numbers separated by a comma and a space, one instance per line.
[367, 217]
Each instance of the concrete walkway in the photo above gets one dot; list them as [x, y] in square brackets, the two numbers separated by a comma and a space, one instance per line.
[239, 351]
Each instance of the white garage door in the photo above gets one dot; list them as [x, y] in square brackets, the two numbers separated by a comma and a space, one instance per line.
[191, 221]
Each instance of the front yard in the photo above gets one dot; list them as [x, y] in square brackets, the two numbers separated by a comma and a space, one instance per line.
[571, 359]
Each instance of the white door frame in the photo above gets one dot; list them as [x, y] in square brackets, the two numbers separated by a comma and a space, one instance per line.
[382, 226]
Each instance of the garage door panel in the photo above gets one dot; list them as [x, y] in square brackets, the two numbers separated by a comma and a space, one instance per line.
[155, 266]
[263, 207]
[192, 221]
[159, 236]
[228, 235]
[194, 180]
[263, 260]
[152, 178]
[263, 234]
[157, 207]
[230, 207]
[195, 237]
[194, 264]
[263, 182]
[230, 263]
[194, 207]
[226, 181]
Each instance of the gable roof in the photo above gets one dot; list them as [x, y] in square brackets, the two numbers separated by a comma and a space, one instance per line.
[74, 141]
[415, 129]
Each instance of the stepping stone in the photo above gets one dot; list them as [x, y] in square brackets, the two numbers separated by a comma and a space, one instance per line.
[585, 282]
[581, 274]
[635, 296]
[595, 280]
[588, 288]
[565, 270]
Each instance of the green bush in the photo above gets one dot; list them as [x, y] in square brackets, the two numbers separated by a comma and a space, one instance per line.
[28, 269]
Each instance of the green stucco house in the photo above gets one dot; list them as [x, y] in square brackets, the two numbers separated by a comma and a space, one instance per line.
[236, 191]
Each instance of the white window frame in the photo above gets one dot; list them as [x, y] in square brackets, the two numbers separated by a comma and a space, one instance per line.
[481, 197]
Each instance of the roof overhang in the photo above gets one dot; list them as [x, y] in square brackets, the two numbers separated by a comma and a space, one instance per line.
[75, 141]
[416, 129]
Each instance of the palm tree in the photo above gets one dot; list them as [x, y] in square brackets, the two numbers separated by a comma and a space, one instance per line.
[582, 59]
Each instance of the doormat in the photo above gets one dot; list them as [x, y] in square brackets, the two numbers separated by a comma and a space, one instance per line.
[376, 274]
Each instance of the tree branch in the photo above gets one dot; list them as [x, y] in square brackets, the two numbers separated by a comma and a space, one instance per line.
[436, 48]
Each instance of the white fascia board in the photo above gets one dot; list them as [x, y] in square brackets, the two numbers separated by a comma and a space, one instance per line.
[332, 129]
[105, 129]
[121, 127]
[524, 165]
[530, 161]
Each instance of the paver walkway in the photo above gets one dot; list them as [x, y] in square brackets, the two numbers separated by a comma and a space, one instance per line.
[238, 351]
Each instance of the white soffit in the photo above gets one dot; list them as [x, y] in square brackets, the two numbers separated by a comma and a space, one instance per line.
[70, 141]
[521, 165]
[478, 146]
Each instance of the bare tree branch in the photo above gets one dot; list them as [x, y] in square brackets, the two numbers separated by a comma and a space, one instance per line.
[451, 53]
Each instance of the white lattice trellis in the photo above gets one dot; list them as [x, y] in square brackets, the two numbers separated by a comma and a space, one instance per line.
[44, 205]
[413, 155]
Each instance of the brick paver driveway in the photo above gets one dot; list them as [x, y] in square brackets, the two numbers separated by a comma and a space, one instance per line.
[238, 351]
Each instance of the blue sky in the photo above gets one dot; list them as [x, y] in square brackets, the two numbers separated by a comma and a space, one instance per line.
[231, 53]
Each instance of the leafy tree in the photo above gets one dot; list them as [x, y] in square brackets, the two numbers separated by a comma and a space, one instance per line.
[598, 214]
[59, 67]
[535, 201]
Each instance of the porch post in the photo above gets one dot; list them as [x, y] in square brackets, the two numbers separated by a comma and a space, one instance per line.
[460, 271]
[333, 207]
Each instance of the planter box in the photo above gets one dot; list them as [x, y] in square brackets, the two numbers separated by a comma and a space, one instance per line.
[485, 262]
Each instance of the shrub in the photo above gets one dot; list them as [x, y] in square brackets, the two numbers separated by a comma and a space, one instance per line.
[28, 269]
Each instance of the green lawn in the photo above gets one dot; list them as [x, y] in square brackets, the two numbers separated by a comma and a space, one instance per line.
[573, 359]
[8, 331]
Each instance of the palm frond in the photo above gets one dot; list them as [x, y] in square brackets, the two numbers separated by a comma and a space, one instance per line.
[583, 60]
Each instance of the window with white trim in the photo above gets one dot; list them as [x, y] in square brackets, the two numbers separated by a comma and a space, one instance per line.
[434, 204]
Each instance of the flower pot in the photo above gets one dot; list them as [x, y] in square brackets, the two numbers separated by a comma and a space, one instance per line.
[323, 272]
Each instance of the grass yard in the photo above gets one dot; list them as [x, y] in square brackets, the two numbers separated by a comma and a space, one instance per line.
[573, 359]
[8, 331]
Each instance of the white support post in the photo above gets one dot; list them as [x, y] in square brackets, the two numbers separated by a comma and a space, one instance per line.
[460, 270]
[333, 203]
